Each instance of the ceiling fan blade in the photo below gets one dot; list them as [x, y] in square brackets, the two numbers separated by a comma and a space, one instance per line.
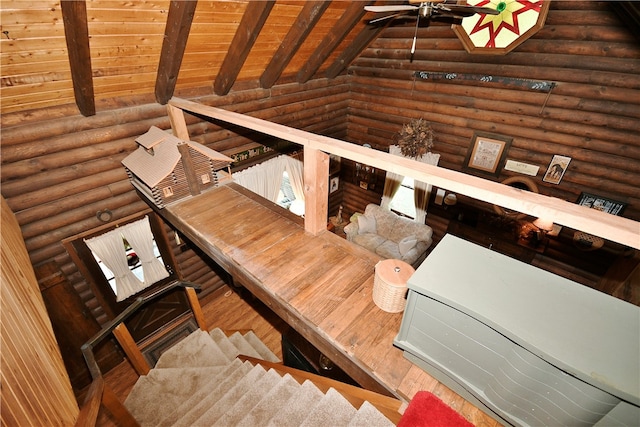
[395, 15]
[396, 8]
[465, 10]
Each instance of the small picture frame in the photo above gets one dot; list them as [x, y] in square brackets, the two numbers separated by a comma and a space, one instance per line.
[556, 169]
[600, 203]
[334, 184]
[487, 154]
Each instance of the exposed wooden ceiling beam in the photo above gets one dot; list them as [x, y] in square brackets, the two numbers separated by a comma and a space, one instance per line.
[255, 15]
[307, 19]
[360, 43]
[76, 31]
[176, 34]
[347, 21]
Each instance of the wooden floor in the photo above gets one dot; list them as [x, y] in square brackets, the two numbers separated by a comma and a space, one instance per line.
[321, 285]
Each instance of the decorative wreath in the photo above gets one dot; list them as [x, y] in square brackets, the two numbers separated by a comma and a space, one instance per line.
[416, 138]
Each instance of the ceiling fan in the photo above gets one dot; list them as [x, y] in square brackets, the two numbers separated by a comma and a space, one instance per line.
[427, 10]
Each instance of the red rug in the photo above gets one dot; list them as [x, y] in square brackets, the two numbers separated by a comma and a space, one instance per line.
[426, 410]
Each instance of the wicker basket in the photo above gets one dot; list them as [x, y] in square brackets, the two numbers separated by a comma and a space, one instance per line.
[390, 285]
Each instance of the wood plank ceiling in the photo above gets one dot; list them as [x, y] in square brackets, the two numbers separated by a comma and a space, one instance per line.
[64, 52]
[55, 53]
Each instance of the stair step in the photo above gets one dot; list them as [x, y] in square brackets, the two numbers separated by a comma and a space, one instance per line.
[203, 351]
[271, 403]
[369, 416]
[227, 347]
[199, 381]
[250, 399]
[191, 409]
[228, 399]
[157, 394]
[264, 351]
[243, 346]
[332, 410]
[298, 406]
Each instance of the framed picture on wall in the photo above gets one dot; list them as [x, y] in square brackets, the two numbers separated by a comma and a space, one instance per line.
[556, 169]
[600, 203]
[334, 184]
[486, 154]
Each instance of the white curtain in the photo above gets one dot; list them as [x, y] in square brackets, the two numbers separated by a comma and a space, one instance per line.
[422, 190]
[109, 247]
[392, 181]
[140, 237]
[264, 179]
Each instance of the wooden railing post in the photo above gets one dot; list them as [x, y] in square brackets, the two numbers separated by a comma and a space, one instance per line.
[316, 190]
[196, 308]
[132, 351]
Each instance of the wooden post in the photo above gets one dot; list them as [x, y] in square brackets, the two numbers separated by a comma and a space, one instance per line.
[196, 308]
[189, 169]
[178, 123]
[316, 190]
[131, 349]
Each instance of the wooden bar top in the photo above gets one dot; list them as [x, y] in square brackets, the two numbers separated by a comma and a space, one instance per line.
[320, 285]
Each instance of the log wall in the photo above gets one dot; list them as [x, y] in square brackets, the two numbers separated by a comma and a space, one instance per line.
[592, 114]
[59, 169]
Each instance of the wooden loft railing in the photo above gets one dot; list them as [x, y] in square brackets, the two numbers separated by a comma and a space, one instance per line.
[316, 159]
[98, 393]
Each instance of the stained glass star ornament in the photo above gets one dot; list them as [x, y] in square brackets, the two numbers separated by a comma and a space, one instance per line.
[499, 34]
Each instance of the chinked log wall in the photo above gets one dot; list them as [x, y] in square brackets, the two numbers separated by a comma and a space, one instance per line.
[59, 168]
[592, 115]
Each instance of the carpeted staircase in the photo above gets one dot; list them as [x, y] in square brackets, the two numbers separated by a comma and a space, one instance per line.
[201, 381]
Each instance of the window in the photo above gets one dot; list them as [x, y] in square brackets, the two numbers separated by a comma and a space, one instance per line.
[132, 260]
[100, 278]
[285, 195]
[402, 201]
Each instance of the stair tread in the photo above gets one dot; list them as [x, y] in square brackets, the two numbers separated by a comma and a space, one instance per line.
[224, 343]
[203, 351]
[243, 346]
[250, 399]
[260, 347]
[226, 401]
[332, 410]
[298, 406]
[199, 381]
[192, 408]
[174, 384]
[369, 416]
[271, 403]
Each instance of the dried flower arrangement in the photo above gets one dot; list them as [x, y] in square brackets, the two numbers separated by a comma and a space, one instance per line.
[416, 138]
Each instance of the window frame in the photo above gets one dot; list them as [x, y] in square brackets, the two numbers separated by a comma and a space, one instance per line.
[412, 192]
[88, 266]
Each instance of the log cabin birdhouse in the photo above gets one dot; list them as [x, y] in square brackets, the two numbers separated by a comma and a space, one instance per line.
[165, 168]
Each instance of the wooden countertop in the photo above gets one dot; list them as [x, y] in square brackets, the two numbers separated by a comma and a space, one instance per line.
[321, 285]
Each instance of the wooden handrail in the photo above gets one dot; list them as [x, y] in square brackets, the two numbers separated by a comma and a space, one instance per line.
[91, 405]
[98, 393]
[87, 348]
[618, 229]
